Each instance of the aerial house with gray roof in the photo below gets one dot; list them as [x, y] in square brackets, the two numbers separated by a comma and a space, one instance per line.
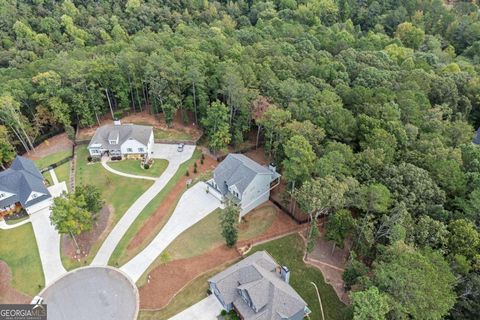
[122, 140]
[243, 181]
[258, 288]
[22, 185]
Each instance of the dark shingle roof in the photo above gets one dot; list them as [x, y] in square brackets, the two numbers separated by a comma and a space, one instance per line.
[271, 297]
[476, 139]
[239, 170]
[21, 179]
[123, 132]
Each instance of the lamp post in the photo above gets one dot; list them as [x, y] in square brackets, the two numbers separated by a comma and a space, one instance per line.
[319, 300]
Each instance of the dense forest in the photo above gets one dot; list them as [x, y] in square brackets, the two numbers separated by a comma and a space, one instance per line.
[369, 106]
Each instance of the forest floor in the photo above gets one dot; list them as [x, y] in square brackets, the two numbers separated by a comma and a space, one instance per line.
[55, 144]
[177, 130]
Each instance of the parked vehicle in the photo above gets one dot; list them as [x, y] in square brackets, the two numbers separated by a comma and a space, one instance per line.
[180, 147]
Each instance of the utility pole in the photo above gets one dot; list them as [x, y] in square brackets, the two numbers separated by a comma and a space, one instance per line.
[319, 300]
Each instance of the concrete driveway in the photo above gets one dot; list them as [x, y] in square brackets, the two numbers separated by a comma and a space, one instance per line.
[160, 151]
[194, 205]
[207, 309]
[48, 239]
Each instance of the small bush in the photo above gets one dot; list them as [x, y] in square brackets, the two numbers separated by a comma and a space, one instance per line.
[187, 173]
[209, 292]
[201, 160]
[146, 166]
[223, 313]
[203, 157]
[195, 168]
[89, 158]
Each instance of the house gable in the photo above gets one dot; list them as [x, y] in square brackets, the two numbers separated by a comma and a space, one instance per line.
[5, 195]
[34, 195]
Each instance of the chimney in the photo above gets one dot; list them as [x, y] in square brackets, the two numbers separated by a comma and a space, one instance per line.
[285, 274]
[272, 167]
[117, 122]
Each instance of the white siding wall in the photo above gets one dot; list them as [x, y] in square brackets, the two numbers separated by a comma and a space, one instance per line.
[133, 145]
[257, 192]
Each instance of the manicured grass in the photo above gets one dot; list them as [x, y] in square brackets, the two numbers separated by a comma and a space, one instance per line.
[206, 234]
[120, 254]
[19, 250]
[170, 134]
[191, 294]
[15, 221]
[289, 251]
[117, 191]
[133, 167]
[63, 173]
[52, 158]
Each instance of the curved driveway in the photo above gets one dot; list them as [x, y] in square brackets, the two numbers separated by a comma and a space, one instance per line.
[159, 151]
[128, 175]
[194, 205]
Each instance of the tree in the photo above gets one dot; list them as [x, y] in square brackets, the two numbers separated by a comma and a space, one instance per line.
[339, 226]
[299, 161]
[70, 216]
[217, 126]
[7, 153]
[92, 196]
[410, 35]
[370, 304]
[418, 283]
[373, 198]
[464, 239]
[228, 223]
[320, 196]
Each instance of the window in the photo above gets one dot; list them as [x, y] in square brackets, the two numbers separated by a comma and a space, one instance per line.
[129, 150]
[141, 150]
[2, 195]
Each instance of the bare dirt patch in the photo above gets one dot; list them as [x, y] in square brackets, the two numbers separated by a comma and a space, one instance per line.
[87, 240]
[331, 263]
[8, 294]
[158, 219]
[169, 278]
[57, 143]
[258, 155]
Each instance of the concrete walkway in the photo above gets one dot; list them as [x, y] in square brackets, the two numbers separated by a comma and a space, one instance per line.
[5, 226]
[54, 176]
[207, 309]
[128, 175]
[194, 205]
[160, 151]
[48, 239]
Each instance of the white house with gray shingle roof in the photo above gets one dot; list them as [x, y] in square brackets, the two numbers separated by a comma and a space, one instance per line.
[243, 181]
[257, 288]
[122, 140]
[23, 185]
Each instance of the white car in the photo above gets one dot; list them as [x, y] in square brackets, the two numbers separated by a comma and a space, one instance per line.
[180, 147]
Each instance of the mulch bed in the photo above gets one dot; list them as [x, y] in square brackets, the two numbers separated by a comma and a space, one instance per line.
[168, 204]
[168, 279]
[86, 240]
[8, 294]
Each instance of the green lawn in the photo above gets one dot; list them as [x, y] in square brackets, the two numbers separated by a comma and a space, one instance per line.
[117, 191]
[288, 251]
[19, 250]
[52, 158]
[15, 221]
[133, 167]
[206, 234]
[188, 296]
[120, 255]
[171, 135]
[63, 173]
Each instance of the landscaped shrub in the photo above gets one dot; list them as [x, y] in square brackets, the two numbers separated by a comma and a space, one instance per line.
[223, 312]
[187, 173]
[209, 292]
[201, 160]
[146, 166]
[195, 167]
[89, 158]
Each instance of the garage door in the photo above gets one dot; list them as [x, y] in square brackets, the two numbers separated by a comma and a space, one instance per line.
[39, 206]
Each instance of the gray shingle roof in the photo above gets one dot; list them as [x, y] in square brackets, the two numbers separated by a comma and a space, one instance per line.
[21, 179]
[123, 132]
[239, 170]
[476, 139]
[271, 297]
